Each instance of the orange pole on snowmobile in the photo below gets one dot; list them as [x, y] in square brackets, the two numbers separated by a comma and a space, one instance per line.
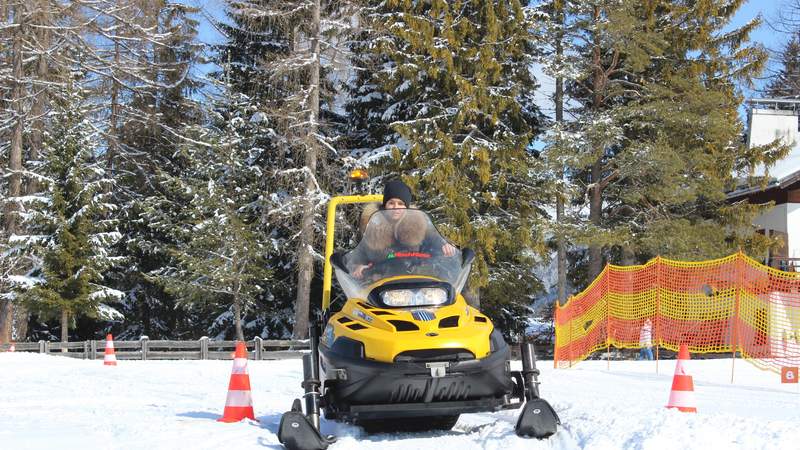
[329, 234]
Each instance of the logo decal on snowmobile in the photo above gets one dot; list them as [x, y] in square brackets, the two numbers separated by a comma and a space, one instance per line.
[362, 315]
[421, 255]
[328, 336]
[423, 315]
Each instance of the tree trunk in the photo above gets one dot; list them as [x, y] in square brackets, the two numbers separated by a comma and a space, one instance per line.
[561, 249]
[559, 104]
[113, 141]
[14, 159]
[38, 111]
[628, 256]
[596, 192]
[595, 217]
[6, 320]
[64, 328]
[305, 259]
[237, 314]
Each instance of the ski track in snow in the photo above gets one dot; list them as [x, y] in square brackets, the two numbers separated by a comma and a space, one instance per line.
[51, 401]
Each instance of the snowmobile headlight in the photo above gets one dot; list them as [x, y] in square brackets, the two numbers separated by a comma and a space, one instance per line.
[432, 296]
[399, 298]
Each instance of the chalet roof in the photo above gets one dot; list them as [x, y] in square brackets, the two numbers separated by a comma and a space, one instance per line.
[774, 183]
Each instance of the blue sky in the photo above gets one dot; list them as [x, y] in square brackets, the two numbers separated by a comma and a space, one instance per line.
[768, 9]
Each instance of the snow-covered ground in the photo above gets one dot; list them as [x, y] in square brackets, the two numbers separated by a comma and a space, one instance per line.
[55, 402]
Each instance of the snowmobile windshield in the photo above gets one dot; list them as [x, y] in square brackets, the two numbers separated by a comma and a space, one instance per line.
[400, 242]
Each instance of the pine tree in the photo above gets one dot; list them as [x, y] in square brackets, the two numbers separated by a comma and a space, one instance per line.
[460, 100]
[786, 82]
[687, 127]
[15, 92]
[656, 131]
[557, 59]
[71, 234]
[221, 252]
[152, 109]
[221, 267]
[282, 53]
[39, 41]
[370, 108]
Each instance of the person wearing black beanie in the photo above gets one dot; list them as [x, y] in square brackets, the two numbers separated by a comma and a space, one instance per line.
[397, 198]
[396, 189]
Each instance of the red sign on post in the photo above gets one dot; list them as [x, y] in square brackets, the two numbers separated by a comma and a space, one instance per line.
[789, 375]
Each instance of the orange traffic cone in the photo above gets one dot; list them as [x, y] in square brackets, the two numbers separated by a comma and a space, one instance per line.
[682, 394]
[239, 404]
[110, 358]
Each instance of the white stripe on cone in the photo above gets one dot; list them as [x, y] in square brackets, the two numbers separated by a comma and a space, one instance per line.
[682, 399]
[239, 366]
[239, 398]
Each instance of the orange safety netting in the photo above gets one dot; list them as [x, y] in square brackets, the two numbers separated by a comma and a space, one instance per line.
[732, 304]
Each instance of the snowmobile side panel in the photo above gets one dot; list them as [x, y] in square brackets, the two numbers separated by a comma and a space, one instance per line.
[403, 410]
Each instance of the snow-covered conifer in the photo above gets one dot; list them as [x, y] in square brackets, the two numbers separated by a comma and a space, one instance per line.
[457, 81]
[70, 234]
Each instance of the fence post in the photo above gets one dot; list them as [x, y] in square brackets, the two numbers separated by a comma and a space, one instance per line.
[85, 349]
[736, 306]
[555, 335]
[41, 347]
[46, 347]
[145, 341]
[608, 315]
[92, 349]
[204, 347]
[658, 308]
[259, 346]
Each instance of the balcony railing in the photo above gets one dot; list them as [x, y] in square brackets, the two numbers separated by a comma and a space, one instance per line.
[785, 264]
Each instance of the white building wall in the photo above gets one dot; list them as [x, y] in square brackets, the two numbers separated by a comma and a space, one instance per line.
[774, 219]
[793, 229]
[766, 125]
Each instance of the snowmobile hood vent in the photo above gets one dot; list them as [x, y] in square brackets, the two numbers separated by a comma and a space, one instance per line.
[449, 322]
[404, 325]
[435, 354]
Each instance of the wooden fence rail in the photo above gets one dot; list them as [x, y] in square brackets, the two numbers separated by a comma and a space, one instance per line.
[145, 349]
[204, 348]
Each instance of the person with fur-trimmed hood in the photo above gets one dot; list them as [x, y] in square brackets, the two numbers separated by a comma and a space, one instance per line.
[398, 229]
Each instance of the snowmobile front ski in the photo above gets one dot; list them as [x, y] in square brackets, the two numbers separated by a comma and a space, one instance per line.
[538, 419]
[298, 431]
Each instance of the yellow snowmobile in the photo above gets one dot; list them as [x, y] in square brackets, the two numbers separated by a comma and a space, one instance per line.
[406, 352]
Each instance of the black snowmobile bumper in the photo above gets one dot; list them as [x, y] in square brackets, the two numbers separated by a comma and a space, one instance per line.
[359, 389]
